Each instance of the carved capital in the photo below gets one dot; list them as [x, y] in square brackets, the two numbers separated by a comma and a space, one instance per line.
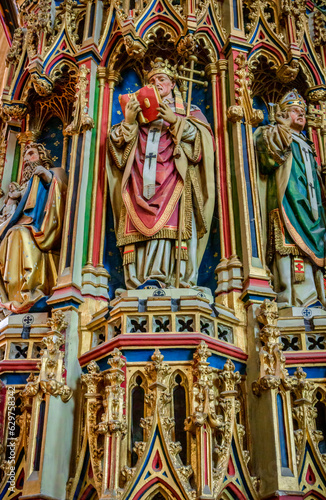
[15, 110]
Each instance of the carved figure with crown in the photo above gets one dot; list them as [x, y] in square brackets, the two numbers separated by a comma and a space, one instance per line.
[292, 204]
[162, 187]
[30, 235]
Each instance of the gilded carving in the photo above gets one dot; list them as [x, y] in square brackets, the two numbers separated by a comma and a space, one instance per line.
[15, 111]
[157, 371]
[319, 28]
[188, 46]
[16, 48]
[3, 148]
[235, 113]
[81, 119]
[92, 381]
[288, 72]
[272, 360]
[134, 48]
[50, 379]
[37, 238]
[294, 243]
[303, 410]
[67, 16]
[242, 76]
[41, 84]
[260, 8]
[318, 95]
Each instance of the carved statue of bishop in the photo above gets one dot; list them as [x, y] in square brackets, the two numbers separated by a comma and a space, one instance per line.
[292, 202]
[159, 171]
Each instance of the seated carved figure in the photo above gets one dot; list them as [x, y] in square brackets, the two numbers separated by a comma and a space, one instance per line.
[30, 237]
[292, 198]
[156, 167]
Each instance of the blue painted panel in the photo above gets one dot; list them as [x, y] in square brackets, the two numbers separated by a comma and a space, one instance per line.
[52, 139]
[206, 276]
[14, 378]
[311, 371]
[282, 432]
[174, 354]
[235, 14]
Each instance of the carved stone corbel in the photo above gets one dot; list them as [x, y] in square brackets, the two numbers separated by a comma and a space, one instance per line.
[42, 84]
[235, 113]
[135, 47]
[288, 71]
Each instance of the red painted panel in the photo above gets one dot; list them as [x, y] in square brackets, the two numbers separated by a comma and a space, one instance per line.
[18, 365]
[310, 357]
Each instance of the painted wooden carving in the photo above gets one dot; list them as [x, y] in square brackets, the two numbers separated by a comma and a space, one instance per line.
[164, 171]
[30, 234]
[292, 201]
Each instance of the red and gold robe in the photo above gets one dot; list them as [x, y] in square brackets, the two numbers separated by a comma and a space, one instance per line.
[185, 163]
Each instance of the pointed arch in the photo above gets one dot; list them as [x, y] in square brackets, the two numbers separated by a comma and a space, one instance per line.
[314, 495]
[89, 493]
[232, 492]
[158, 493]
[320, 406]
[137, 412]
[179, 387]
[153, 485]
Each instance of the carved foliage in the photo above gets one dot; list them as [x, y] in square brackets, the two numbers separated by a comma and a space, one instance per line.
[81, 120]
[272, 360]
[303, 411]
[229, 406]
[319, 28]
[260, 8]
[92, 380]
[15, 50]
[50, 379]
[66, 16]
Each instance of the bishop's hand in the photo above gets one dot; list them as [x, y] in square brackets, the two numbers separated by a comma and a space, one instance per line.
[166, 113]
[131, 111]
[283, 118]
